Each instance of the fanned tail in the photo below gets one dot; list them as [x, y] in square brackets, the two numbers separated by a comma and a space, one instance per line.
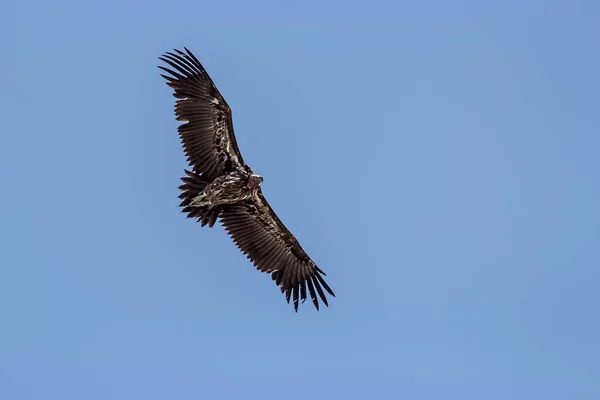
[193, 185]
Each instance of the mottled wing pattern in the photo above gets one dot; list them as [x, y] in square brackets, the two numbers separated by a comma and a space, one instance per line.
[260, 234]
[207, 132]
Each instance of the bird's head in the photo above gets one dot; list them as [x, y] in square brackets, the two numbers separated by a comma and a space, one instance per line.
[254, 181]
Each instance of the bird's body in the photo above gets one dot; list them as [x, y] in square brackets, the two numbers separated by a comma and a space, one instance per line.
[222, 187]
[229, 188]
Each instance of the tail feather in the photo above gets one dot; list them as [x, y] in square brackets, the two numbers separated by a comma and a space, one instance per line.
[193, 185]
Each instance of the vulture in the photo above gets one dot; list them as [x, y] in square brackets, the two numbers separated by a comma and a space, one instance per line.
[221, 186]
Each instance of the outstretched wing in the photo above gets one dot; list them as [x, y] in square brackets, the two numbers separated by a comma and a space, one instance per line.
[260, 234]
[207, 134]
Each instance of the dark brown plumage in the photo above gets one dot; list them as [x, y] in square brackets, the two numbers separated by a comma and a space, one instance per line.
[221, 186]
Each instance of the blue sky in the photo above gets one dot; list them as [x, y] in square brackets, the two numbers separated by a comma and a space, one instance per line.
[439, 161]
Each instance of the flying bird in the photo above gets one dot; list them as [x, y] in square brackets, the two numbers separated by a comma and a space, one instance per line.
[221, 186]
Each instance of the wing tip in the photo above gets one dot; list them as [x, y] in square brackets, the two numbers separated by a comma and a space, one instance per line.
[316, 285]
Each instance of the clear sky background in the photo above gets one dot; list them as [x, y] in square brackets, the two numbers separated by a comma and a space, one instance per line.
[439, 160]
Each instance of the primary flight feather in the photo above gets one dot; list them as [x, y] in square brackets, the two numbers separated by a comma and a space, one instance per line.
[221, 186]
